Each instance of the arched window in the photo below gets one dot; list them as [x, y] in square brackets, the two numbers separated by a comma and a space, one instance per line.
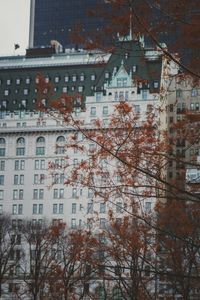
[2, 141]
[40, 146]
[21, 141]
[20, 150]
[40, 140]
[60, 139]
[60, 145]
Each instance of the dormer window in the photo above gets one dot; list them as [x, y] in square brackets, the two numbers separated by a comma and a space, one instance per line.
[4, 104]
[155, 84]
[82, 77]
[134, 68]
[64, 89]
[28, 80]
[74, 77]
[6, 92]
[126, 55]
[107, 75]
[57, 79]
[26, 91]
[24, 103]
[66, 78]
[80, 89]
[93, 77]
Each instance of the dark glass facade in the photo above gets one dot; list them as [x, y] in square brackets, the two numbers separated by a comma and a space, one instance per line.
[55, 20]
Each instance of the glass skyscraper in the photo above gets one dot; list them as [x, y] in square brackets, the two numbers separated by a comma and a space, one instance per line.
[55, 20]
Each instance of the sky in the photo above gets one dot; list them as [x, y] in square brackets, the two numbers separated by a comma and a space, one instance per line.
[14, 26]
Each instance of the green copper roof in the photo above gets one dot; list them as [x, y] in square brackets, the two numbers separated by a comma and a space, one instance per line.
[86, 72]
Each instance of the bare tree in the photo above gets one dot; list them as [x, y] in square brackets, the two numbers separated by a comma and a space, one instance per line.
[40, 242]
[11, 253]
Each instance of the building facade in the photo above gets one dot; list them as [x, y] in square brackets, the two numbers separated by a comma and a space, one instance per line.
[31, 140]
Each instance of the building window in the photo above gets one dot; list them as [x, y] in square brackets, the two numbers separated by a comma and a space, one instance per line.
[2, 151]
[93, 111]
[73, 208]
[90, 208]
[19, 165]
[26, 91]
[194, 92]
[60, 148]
[178, 93]
[38, 194]
[92, 77]
[37, 209]
[155, 84]
[58, 193]
[82, 77]
[18, 179]
[58, 178]
[8, 81]
[2, 141]
[66, 78]
[98, 96]
[20, 146]
[73, 223]
[107, 75]
[18, 194]
[144, 94]
[105, 110]
[80, 89]
[74, 78]
[90, 193]
[47, 79]
[102, 208]
[1, 179]
[40, 150]
[6, 92]
[1, 194]
[1, 209]
[18, 81]
[192, 106]
[64, 89]
[119, 207]
[40, 140]
[58, 208]
[20, 151]
[39, 164]
[17, 209]
[102, 223]
[74, 193]
[122, 82]
[137, 109]
[134, 68]
[39, 178]
[28, 80]
[147, 207]
[56, 79]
